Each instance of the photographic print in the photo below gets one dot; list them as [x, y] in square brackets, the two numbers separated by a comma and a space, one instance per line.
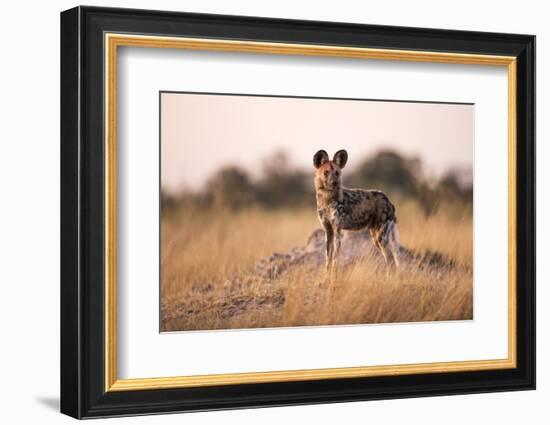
[299, 211]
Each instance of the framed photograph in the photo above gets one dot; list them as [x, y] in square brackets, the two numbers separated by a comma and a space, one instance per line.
[261, 212]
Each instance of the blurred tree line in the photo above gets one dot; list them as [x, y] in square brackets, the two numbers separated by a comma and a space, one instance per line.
[283, 186]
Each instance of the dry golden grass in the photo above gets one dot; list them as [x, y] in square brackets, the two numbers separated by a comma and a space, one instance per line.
[205, 252]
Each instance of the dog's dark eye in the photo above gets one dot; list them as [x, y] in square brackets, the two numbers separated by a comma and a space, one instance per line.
[337, 173]
[326, 173]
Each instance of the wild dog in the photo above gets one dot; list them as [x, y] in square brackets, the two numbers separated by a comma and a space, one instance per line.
[340, 208]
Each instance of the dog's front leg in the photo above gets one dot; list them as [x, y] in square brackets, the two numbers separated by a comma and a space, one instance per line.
[336, 249]
[329, 237]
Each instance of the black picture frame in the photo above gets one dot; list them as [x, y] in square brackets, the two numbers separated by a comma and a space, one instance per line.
[83, 392]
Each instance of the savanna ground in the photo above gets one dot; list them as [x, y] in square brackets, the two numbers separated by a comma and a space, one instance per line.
[255, 267]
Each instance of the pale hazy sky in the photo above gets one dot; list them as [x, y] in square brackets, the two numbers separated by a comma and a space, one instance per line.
[201, 133]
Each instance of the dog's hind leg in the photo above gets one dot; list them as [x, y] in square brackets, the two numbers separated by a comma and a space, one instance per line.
[393, 242]
[376, 240]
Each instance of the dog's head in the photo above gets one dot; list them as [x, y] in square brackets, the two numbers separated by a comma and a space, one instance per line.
[328, 174]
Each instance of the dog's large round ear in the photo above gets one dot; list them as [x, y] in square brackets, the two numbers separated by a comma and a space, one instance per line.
[340, 158]
[320, 158]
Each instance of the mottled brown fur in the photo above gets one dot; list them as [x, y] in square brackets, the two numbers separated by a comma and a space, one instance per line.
[340, 208]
